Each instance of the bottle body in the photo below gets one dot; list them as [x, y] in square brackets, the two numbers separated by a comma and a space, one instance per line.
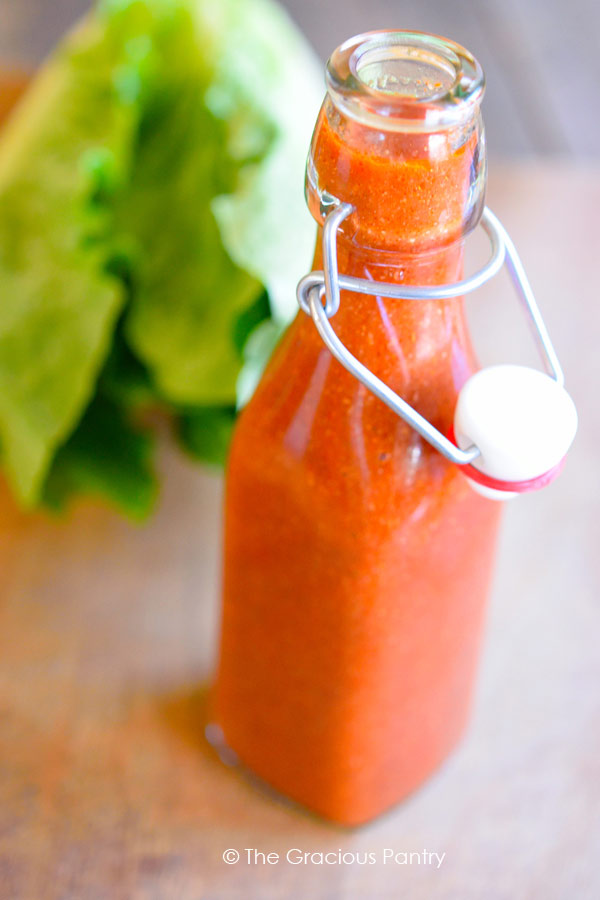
[357, 559]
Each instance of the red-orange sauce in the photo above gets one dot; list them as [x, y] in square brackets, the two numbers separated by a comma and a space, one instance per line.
[357, 559]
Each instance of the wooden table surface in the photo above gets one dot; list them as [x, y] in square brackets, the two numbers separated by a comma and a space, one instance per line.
[107, 644]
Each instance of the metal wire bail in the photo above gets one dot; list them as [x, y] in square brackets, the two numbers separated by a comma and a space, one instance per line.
[327, 284]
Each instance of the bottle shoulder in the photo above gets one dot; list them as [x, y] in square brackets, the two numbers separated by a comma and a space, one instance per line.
[311, 423]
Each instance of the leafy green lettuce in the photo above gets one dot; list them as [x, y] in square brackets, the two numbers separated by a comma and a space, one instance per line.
[152, 229]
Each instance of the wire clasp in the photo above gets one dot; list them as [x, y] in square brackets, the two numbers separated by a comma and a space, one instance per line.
[327, 284]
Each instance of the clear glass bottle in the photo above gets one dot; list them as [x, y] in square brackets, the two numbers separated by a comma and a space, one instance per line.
[357, 559]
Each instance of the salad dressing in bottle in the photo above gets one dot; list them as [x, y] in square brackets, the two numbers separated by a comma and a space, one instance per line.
[357, 558]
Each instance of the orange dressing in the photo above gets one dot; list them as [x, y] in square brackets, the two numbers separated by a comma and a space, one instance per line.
[357, 559]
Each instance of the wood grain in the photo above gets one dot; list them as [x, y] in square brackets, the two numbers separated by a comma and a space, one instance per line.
[107, 644]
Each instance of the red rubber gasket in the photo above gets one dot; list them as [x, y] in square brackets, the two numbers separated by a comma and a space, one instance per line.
[511, 487]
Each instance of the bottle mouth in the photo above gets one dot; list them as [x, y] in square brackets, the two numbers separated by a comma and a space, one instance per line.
[405, 81]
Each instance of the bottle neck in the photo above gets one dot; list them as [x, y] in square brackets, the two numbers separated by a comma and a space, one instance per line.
[420, 348]
[411, 193]
[400, 138]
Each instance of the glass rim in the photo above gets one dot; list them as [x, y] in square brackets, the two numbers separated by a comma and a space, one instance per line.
[405, 81]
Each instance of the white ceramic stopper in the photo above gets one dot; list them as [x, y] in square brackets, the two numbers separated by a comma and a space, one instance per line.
[522, 421]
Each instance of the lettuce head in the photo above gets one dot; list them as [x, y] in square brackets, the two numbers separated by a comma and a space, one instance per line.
[152, 231]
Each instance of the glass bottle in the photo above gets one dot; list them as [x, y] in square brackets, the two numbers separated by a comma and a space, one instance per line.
[357, 559]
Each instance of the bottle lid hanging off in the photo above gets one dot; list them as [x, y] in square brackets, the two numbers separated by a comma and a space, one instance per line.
[522, 421]
[513, 425]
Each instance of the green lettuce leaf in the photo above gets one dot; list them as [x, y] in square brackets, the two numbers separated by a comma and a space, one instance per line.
[215, 167]
[205, 433]
[187, 292]
[58, 304]
[151, 225]
[106, 456]
[267, 77]
[257, 352]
